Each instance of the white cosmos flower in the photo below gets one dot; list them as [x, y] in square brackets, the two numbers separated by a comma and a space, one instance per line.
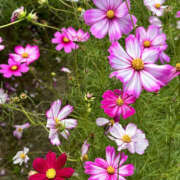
[21, 156]
[3, 97]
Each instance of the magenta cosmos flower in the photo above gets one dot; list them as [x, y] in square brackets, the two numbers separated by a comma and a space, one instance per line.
[135, 68]
[51, 168]
[178, 14]
[27, 55]
[78, 36]
[13, 68]
[64, 41]
[156, 6]
[116, 103]
[110, 169]
[130, 138]
[152, 37]
[111, 17]
[57, 121]
[1, 46]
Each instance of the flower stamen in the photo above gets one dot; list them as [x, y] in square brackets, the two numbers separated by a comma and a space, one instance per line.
[110, 14]
[25, 55]
[119, 101]
[138, 64]
[66, 40]
[14, 68]
[126, 138]
[157, 6]
[147, 44]
[110, 170]
[22, 156]
[51, 173]
[178, 67]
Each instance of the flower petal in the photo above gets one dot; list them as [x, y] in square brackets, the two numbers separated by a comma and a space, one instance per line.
[65, 111]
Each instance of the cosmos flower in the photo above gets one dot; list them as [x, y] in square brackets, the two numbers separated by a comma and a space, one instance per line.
[51, 168]
[13, 68]
[19, 130]
[178, 14]
[21, 157]
[66, 70]
[110, 169]
[135, 67]
[77, 36]
[84, 151]
[152, 37]
[130, 138]
[18, 13]
[27, 55]
[3, 96]
[156, 6]
[57, 122]
[63, 40]
[116, 103]
[153, 20]
[1, 46]
[110, 17]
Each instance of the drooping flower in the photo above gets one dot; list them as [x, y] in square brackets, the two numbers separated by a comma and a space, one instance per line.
[28, 55]
[116, 103]
[156, 6]
[51, 168]
[13, 68]
[152, 37]
[84, 151]
[135, 68]
[178, 14]
[19, 130]
[63, 40]
[21, 157]
[130, 138]
[77, 36]
[110, 169]
[3, 96]
[1, 46]
[18, 13]
[110, 17]
[57, 122]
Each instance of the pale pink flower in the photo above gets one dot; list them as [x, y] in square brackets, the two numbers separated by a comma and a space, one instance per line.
[130, 138]
[153, 20]
[13, 68]
[178, 14]
[135, 67]
[57, 121]
[1, 46]
[84, 151]
[27, 55]
[3, 96]
[110, 17]
[77, 36]
[152, 37]
[19, 130]
[156, 6]
[110, 169]
[116, 103]
[63, 40]
[18, 13]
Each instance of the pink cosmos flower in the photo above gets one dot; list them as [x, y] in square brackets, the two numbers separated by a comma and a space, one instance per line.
[153, 20]
[19, 130]
[18, 13]
[64, 41]
[78, 36]
[13, 68]
[152, 37]
[116, 103]
[110, 17]
[84, 151]
[135, 68]
[156, 6]
[1, 46]
[57, 122]
[110, 169]
[28, 54]
[130, 138]
[178, 14]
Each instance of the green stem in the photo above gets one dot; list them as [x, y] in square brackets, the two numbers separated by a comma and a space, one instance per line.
[10, 24]
[45, 26]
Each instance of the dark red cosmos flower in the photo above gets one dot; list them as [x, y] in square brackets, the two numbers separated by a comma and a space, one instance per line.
[51, 168]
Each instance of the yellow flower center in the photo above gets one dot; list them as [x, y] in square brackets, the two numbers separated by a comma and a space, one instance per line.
[147, 44]
[138, 64]
[66, 40]
[79, 9]
[110, 14]
[111, 122]
[119, 101]
[178, 67]
[22, 156]
[85, 157]
[25, 55]
[110, 170]
[157, 5]
[14, 67]
[126, 138]
[51, 173]
[20, 130]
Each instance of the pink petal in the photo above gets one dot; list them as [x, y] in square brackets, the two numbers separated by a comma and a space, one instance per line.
[150, 55]
[122, 10]
[102, 121]
[19, 49]
[101, 4]
[127, 111]
[65, 111]
[126, 170]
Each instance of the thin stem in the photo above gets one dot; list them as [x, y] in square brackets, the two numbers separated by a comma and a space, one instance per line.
[10, 24]
[62, 10]
[65, 3]
[45, 26]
